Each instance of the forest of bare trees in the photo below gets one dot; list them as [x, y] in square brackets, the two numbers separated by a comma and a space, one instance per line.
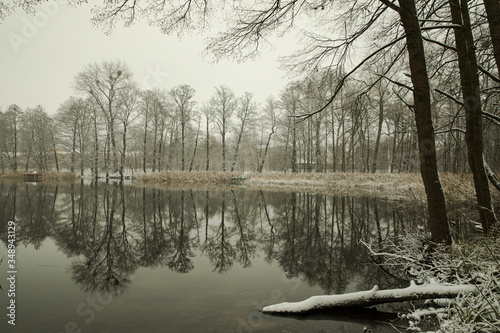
[125, 129]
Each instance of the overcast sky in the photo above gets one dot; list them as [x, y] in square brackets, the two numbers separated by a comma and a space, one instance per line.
[42, 53]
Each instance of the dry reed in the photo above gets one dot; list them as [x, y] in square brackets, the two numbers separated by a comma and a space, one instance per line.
[398, 186]
[47, 176]
[182, 177]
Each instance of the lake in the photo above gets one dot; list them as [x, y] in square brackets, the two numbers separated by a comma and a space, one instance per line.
[119, 258]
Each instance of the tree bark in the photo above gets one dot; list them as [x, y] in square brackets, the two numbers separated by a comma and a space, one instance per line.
[469, 80]
[493, 12]
[379, 132]
[240, 135]
[145, 140]
[207, 147]
[261, 166]
[438, 220]
[195, 146]
[82, 152]
[124, 153]
[73, 150]
[55, 150]
[96, 147]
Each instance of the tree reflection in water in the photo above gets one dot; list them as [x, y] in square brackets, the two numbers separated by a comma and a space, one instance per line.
[111, 230]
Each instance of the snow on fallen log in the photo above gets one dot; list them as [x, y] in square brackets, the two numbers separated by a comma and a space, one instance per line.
[373, 297]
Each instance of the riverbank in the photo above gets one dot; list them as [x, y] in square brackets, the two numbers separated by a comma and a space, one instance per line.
[50, 176]
[459, 188]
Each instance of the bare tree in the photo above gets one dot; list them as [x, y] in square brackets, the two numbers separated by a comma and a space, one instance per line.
[246, 109]
[290, 100]
[37, 137]
[127, 114]
[208, 112]
[70, 117]
[12, 119]
[197, 137]
[224, 104]
[270, 118]
[104, 83]
[183, 96]
[471, 93]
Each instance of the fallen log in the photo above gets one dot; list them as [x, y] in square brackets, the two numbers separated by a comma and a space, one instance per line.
[372, 297]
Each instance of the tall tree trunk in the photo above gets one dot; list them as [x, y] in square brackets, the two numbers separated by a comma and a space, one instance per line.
[195, 147]
[155, 133]
[224, 143]
[427, 148]
[144, 142]
[28, 157]
[294, 147]
[379, 132]
[113, 143]
[183, 143]
[261, 166]
[493, 12]
[105, 156]
[287, 142]
[15, 147]
[161, 148]
[207, 165]
[240, 135]
[73, 150]
[82, 150]
[472, 104]
[124, 153]
[96, 148]
[55, 150]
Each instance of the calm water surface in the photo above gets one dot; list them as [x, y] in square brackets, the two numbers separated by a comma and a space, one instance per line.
[117, 258]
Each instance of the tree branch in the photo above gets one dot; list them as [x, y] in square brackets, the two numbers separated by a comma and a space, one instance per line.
[489, 74]
[449, 96]
[400, 84]
[391, 5]
[339, 86]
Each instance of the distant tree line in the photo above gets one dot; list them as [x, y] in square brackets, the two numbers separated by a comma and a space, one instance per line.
[113, 127]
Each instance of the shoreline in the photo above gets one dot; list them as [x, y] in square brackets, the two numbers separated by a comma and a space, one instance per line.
[395, 186]
[458, 188]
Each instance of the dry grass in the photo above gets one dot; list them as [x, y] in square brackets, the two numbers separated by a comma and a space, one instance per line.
[186, 178]
[399, 186]
[382, 183]
[12, 175]
[458, 188]
[59, 176]
[47, 176]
